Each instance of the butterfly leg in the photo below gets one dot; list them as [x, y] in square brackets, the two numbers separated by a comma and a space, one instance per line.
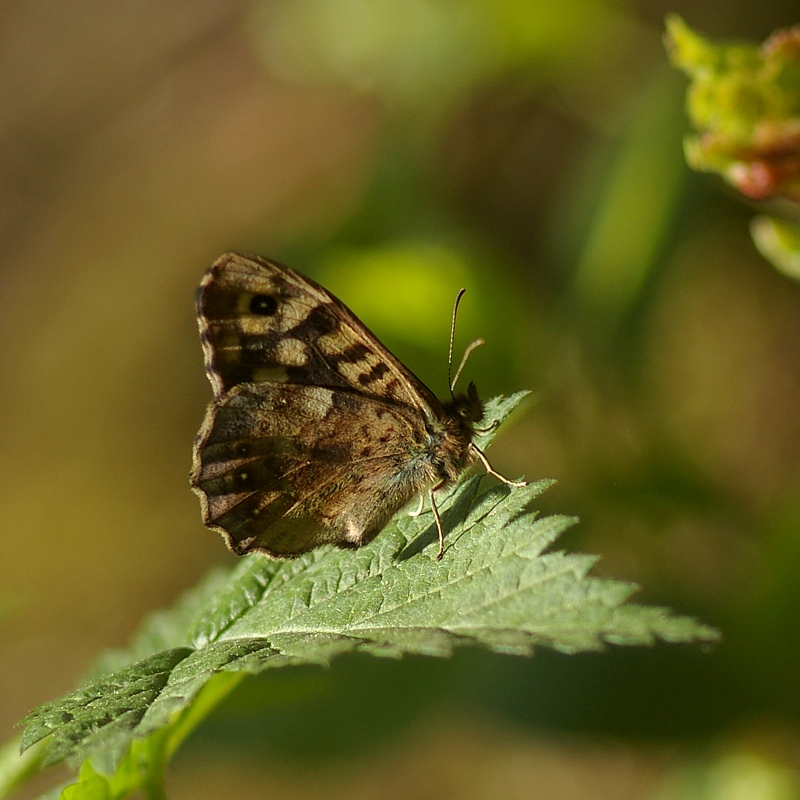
[418, 511]
[491, 471]
[437, 517]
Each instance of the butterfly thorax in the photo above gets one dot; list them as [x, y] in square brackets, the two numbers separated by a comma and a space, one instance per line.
[451, 451]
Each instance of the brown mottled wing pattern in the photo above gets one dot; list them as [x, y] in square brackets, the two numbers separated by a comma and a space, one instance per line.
[317, 433]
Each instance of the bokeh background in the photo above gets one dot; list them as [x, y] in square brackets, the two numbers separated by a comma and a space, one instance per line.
[529, 150]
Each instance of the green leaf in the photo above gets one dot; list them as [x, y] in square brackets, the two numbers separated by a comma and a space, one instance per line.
[90, 786]
[495, 588]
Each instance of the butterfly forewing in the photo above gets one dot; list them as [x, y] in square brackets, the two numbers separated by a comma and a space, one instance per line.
[263, 322]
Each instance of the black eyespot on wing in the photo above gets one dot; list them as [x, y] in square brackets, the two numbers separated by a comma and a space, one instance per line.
[263, 304]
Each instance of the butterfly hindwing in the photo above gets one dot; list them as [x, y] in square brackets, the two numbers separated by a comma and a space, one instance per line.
[282, 469]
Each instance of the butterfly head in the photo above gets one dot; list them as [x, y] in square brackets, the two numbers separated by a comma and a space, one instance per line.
[467, 407]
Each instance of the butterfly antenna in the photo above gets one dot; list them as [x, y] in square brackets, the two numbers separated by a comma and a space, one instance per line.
[450, 381]
[470, 347]
[473, 345]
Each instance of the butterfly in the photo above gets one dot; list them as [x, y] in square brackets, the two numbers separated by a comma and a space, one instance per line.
[317, 433]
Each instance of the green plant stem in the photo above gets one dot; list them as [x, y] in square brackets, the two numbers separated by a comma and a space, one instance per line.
[16, 769]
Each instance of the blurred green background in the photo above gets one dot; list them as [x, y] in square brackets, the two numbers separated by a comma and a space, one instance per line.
[395, 151]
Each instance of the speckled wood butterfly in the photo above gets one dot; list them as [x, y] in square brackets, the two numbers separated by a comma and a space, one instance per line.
[317, 433]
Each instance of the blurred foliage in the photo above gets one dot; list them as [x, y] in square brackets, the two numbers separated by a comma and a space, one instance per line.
[745, 102]
[423, 56]
[779, 242]
[531, 151]
[736, 772]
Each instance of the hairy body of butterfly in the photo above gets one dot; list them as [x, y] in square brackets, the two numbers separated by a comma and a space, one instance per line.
[317, 433]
